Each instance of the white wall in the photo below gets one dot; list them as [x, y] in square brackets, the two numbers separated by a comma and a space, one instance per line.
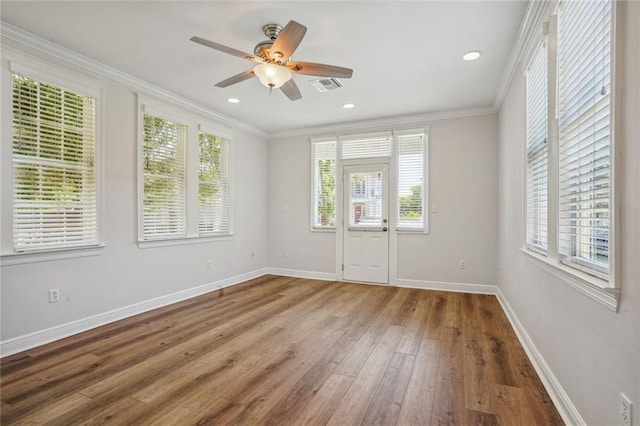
[463, 185]
[592, 351]
[124, 274]
[463, 177]
[289, 183]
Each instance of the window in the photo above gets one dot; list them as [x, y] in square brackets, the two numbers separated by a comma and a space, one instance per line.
[185, 182]
[366, 146]
[411, 166]
[537, 150]
[213, 190]
[365, 197]
[411, 180]
[164, 200]
[54, 166]
[570, 185]
[584, 121]
[323, 152]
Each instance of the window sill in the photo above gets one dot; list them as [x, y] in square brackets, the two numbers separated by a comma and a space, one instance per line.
[413, 231]
[586, 284]
[331, 230]
[183, 241]
[50, 255]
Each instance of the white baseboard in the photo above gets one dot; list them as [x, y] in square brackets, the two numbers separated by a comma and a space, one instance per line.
[567, 410]
[311, 275]
[31, 340]
[446, 286]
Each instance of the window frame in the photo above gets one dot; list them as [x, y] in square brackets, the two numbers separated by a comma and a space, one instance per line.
[204, 129]
[424, 229]
[576, 259]
[16, 62]
[391, 156]
[531, 157]
[314, 182]
[194, 123]
[176, 119]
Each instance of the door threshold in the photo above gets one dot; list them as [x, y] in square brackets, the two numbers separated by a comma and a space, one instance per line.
[366, 283]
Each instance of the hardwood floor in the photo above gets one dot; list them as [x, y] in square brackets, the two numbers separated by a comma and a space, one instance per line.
[279, 351]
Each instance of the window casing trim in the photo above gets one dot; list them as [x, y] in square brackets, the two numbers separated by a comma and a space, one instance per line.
[585, 283]
[225, 134]
[392, 159]
[50, 255]
[424, 229]
[195, 124]
[603, 290]
[312, 161]
[16, 62]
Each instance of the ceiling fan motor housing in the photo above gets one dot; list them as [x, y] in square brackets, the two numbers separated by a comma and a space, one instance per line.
[272, 31]
[262, 49]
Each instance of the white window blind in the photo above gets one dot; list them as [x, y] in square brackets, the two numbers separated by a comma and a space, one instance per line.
[411, 186]
[324, 183]
[213, 189]
[584, 116]
[164, 178]
[537, 149]
[366, 146]
[54, 172]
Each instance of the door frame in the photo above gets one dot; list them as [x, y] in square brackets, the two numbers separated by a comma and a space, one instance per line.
[393, 219]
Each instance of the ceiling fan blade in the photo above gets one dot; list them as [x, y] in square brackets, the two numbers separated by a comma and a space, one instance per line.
[226, 49]
[288, 40]
[320, 70]
[236, 78]
[290, 88]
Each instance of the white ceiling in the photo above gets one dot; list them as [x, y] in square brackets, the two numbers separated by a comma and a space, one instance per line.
[406, 56]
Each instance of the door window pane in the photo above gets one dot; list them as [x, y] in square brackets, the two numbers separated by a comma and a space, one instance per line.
[365, 198]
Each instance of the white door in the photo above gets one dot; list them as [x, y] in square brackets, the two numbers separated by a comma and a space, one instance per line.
[366, 208]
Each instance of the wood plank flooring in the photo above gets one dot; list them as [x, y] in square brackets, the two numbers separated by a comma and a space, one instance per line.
[279, 351]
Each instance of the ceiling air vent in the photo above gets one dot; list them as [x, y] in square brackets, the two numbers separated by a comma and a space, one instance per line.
[325, 84]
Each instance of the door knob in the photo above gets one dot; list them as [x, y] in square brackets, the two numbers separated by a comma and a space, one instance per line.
[384, 229]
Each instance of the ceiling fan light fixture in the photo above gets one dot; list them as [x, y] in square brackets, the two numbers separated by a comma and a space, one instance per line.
[272, 76]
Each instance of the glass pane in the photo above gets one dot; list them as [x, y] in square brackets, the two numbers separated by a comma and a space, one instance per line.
[365, 209]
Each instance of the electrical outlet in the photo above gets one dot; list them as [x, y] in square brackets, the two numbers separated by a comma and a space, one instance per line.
[209, 264]
[463, 264]
[285, 253]
[54, 295]
[625, 411]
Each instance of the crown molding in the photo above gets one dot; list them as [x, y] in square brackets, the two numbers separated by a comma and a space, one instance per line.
[22, 40]
[533, 18]
[386, 123]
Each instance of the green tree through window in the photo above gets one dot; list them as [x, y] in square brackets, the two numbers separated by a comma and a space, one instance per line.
[326, 208]
[213, 190]
[411, 205]
[164, 177]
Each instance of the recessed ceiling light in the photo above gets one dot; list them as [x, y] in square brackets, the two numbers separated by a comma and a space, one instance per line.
[471, 56]
[233, 100]
[348, 106]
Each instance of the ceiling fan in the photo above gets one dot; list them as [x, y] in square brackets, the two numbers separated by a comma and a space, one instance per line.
[275, 67]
